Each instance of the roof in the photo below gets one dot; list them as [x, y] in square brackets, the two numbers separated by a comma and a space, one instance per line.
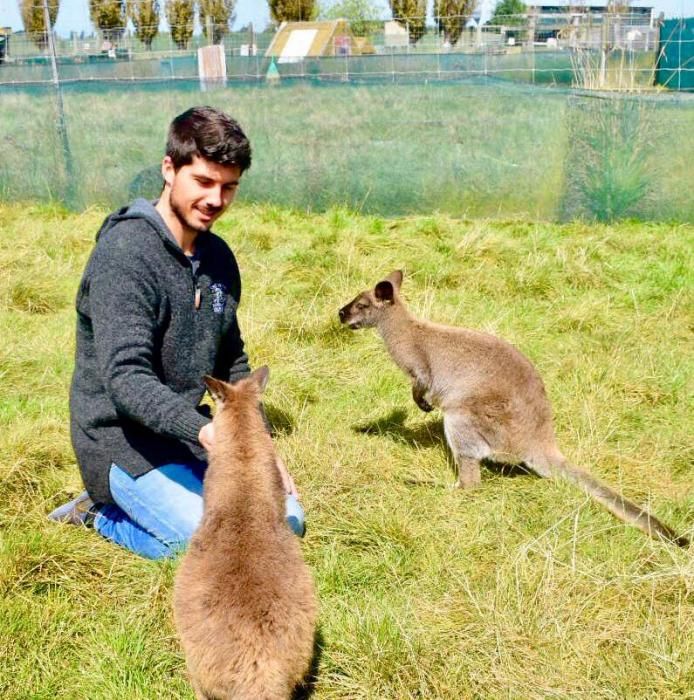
[296, 40]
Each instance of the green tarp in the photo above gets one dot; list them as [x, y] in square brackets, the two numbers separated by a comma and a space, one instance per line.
[676, 54]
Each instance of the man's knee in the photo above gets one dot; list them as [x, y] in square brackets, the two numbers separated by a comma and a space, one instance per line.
[295, 515]
[166, 502]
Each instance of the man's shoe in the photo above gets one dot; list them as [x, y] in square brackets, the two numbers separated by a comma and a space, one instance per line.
[76, 512]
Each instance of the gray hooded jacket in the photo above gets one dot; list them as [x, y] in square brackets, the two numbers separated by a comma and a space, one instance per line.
[144, 345]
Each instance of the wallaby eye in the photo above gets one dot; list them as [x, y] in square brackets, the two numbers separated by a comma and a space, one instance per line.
[361, 306]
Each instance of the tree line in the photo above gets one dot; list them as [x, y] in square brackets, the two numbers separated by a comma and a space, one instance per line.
[110, 17]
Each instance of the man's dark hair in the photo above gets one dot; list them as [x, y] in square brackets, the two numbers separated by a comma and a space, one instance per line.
[210, 134]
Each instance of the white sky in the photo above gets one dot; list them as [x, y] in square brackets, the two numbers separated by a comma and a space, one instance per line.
[74, 14]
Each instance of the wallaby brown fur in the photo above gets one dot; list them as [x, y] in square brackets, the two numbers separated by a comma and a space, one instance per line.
[493, 400]
[244, 600]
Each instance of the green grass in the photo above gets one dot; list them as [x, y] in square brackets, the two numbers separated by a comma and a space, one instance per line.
[521, 589]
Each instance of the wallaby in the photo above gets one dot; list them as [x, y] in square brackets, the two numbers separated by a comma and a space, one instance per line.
[493, 400]
[244, 600]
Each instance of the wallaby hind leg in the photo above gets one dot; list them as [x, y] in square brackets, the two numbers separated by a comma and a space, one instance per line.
[467, 448]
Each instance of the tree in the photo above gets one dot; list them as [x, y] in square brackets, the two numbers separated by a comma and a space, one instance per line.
[145, 18]
[362, 15]
[619, 7]
[509, 13]
[34, 19]
[110, 18]
[451, 16]
[292, 10]
[180, 14]
[412, 15]
[217, 16]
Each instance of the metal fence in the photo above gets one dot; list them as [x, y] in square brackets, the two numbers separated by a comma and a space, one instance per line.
[582, 49]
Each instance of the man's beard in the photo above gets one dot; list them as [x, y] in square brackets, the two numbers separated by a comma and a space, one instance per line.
[180, 215]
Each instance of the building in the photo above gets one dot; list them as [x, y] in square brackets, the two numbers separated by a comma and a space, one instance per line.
[295, 41]
[593, 26]
[4, 43]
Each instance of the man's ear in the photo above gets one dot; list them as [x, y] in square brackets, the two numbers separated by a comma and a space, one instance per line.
[395, 278]
[260, 377]
[167, 170]
[384, 291]
[216, 387]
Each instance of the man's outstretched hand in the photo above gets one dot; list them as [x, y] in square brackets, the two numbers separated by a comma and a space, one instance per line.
[206, 436]
[287, 481]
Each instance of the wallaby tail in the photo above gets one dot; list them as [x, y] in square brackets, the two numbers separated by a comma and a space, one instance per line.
[619, 506]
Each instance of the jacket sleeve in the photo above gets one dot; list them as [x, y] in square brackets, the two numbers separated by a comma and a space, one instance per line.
[123, 304]
[232, 363]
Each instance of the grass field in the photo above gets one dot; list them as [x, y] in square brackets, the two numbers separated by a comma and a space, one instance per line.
[522, 589]
[461, 149]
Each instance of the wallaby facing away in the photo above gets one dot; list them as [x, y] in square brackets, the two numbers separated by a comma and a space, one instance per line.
[244, 600]
[493, 400]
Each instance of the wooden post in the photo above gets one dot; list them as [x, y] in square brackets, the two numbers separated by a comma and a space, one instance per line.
[210, 33]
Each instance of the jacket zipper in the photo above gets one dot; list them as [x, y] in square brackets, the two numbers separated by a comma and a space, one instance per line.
[197, 292]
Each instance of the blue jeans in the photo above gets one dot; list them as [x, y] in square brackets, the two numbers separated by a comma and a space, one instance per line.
[157, 513]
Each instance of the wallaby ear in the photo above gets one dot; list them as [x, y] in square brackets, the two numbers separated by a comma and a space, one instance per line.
[216, 387]
[260, 377]
[395, 278]
[384, 291]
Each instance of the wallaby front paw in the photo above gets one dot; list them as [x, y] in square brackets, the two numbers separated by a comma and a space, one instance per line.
[424, 405]
[468, 484]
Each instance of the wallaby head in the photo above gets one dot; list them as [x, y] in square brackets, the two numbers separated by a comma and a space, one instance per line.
[227, 395]
[367, 308]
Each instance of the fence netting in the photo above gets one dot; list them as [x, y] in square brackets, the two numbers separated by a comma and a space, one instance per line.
[550, 132]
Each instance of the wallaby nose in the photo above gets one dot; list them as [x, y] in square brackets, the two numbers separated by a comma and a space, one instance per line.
[343, 313]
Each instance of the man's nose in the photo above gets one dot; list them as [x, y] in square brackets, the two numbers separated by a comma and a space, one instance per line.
[214, 197]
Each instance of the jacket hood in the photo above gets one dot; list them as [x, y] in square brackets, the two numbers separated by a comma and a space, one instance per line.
[140, 209]
[145, 210]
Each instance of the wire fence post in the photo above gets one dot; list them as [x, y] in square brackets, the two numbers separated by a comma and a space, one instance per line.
[71, 190]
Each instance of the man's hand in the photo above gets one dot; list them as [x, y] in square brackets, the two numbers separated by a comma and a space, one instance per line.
[287, 481]
[206, 436]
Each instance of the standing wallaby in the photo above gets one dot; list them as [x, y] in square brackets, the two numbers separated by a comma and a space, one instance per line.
[493, 400]
[244, 601]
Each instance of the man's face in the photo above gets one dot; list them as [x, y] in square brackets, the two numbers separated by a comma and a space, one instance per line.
[201, 191]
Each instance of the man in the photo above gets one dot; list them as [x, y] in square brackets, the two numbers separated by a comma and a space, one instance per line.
[156, 311]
